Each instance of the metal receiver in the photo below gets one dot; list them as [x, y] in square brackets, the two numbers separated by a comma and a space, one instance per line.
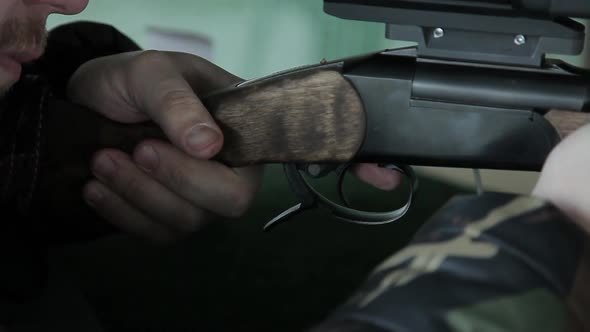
[485, 62]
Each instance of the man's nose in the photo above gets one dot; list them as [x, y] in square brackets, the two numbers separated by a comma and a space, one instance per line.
[67, 7]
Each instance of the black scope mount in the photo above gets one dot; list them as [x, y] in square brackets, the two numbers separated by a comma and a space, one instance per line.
[500, 32]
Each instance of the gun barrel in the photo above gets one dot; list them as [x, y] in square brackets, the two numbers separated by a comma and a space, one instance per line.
[492, 87]
[463, 115]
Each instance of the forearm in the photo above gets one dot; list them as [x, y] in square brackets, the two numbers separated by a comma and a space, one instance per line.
[498, 262]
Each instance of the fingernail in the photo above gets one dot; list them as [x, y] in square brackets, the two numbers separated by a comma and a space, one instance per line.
[200, 137]
[147, 158]
[104, 166]
[93, 195]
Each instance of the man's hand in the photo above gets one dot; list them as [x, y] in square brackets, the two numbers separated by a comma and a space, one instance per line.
[565, 178]
[162, 190]
[165, 190]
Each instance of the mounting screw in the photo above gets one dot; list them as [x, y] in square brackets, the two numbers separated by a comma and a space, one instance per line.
[314, 169]
[520, 40]
[438, 33]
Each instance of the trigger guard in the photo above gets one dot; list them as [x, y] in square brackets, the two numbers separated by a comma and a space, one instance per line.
[311, 197]
[349, 214]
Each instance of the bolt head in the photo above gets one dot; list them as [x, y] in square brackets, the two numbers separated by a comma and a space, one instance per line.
[314, 169]
[438, 33]
[520, 40]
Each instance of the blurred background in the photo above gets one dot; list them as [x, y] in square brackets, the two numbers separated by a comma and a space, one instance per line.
[232, 276]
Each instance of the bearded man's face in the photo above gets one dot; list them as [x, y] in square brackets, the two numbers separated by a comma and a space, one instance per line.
[23, 33]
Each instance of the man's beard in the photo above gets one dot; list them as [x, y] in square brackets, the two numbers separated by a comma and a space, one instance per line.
[19, 35]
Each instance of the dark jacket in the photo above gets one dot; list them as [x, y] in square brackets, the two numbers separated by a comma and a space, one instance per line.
[44, 159]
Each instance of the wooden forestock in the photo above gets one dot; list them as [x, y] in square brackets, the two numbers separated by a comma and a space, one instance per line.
[311, 116]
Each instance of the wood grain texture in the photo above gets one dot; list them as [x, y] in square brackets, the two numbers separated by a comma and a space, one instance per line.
[565, 122]
[311, 116]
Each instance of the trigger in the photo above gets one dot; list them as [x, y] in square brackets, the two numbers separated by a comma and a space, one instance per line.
[301, 191]
[283, 216]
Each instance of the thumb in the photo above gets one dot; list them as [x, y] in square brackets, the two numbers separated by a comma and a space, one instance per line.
[175, 108]
[161, 86]
[160, 89]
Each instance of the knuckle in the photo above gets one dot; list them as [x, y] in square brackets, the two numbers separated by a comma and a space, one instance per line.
[177, 178]
[177, 98]
[189, 220]
[180, 108]
[147, 60]
[132, 187]
[95, 195]
[240, 199]
[104, 166]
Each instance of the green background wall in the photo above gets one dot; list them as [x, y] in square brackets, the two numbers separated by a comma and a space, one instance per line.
[250, 37]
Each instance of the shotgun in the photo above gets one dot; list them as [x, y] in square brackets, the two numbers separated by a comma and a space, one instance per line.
[478, 90]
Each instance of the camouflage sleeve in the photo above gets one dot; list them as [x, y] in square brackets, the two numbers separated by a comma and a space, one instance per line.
[497, 262]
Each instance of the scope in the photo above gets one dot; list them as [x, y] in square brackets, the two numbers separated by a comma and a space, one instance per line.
[538, 8]
[512, 32]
